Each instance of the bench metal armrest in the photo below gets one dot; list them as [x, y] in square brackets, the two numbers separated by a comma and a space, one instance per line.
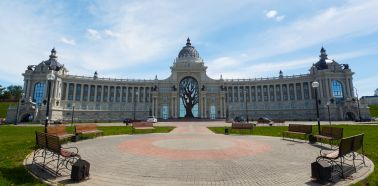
[75, 148]
[323, 151]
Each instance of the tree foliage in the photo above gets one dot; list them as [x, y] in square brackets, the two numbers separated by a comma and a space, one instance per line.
[189, 95]
[11, 92]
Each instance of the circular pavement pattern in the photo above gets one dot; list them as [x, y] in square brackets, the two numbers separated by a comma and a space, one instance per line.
[195, 147]
[192, 155]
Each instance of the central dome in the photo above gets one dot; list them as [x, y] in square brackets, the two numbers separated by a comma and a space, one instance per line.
[188, 51]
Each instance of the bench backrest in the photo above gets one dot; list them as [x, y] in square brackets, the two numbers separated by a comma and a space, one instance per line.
[85, 127]
[334, 132]
[57, 130]
[142, 124]
[350, 144]
[300, 128]
[358, 142]
[53, 143]
[40, 140]
[241, 125]
[48, 141]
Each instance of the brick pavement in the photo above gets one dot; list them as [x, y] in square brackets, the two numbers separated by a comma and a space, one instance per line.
[193, 155]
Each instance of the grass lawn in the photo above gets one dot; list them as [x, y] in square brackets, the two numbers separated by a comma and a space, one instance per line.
[370, 141]
[373, 110]
[16, 142]
[4, 108]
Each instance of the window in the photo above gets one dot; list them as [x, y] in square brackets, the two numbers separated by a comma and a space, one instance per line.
[306, 91]
[78, 92]
[284, 91]
[118, 94]
[241, 93]
[99, 90]
[271, 92]
[229, 94]
[248, 96]
[259, 96]
[124, 89]
[39, 91]
[85, 93]
[141, 94]
[92, 93]
[337, 89]
[291, 92]
[105, 96]
[236, 94]
[265, 92]
[147, 97]
[253, 93]
[130, 94]
[70, 91]
[278, 92]
[111, 96]
[299, 91]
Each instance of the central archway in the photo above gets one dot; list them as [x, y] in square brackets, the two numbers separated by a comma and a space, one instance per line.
[189, 97]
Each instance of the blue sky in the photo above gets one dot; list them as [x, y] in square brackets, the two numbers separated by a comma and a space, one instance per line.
[238, 39]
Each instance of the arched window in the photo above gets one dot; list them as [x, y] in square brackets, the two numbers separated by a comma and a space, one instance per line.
[39, 91]
[337, 89]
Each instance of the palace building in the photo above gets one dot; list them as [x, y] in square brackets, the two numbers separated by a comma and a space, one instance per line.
[187, 93]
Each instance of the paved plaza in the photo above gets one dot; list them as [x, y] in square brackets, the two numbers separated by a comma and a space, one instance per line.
[193, 155]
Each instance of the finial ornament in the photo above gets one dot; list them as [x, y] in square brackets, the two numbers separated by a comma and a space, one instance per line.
[53, 53]
[188, 42]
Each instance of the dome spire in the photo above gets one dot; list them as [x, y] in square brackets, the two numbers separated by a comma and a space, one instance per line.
[53, 53]
[323, 53]
[188, 42]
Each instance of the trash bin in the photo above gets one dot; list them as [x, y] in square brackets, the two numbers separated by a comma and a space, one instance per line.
[226, 131]
[321, 171]
[311, 139]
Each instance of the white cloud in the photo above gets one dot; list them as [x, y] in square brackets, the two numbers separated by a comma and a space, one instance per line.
[271, 13]
[330, 25]
[93, 34]
[68, 41]
[240, 68]
[111, 33]
[280, 18]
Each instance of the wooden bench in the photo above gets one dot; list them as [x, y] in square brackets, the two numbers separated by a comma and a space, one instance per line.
[142, 125]
[297, 129]
[347, 147]
[87, 129]
[60, 131]
[49, 148]
[331, 134]
[239, 125]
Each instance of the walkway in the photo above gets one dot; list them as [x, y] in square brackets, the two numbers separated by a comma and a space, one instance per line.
[192, 155]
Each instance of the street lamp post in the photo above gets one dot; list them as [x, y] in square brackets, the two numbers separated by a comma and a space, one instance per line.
[246, 106]
[358, 105]
[50, 77]
[329, 114]
[136, 97]
[72, 114]
[315, 85]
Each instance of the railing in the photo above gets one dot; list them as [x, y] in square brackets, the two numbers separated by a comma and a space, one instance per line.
[267, 78]
[109, 79]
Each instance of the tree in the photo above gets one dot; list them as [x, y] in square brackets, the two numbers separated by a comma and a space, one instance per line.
[189, 95]
[15, 91]
[1, 91]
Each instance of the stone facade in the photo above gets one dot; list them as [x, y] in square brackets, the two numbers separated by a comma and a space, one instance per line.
[105, 99]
